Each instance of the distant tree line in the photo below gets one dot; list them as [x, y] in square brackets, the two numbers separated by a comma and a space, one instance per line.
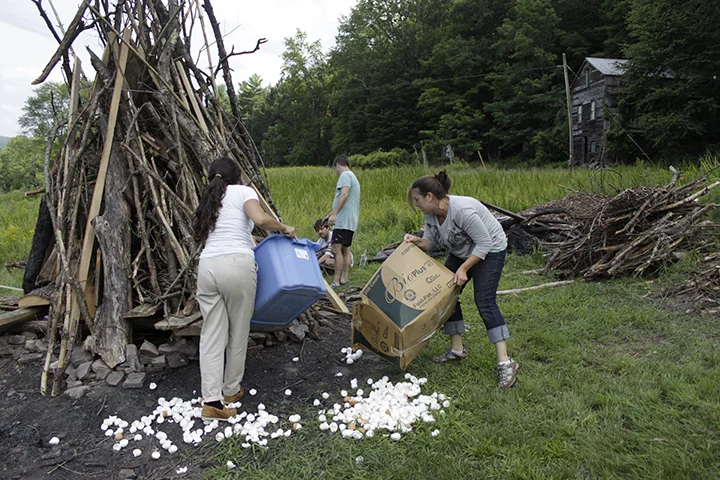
[484, 75]
[408, 78]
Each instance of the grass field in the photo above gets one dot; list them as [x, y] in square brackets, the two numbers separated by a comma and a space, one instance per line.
[613, 385]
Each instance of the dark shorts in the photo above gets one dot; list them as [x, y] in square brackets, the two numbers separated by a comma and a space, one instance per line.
[342, 236]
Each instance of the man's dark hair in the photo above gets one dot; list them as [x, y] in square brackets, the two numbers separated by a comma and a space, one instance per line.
[341, 160]
[323, 222]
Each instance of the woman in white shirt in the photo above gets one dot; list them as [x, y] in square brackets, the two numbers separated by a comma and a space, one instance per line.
[227, 282]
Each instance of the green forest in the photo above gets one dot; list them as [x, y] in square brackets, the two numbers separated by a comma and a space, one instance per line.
[409, 78]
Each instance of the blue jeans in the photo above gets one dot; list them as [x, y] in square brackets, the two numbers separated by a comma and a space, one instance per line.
[486, 277]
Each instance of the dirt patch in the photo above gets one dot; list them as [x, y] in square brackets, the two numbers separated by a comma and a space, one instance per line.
[28, 420]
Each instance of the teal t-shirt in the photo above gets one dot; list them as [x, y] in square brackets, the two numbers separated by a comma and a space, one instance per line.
[347, 218]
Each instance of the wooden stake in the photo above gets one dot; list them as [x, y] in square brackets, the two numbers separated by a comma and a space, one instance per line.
[568, 97]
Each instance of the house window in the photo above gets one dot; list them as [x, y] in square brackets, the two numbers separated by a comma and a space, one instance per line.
[593, 147]
[592, 110]
[587, 78]
[579, 120]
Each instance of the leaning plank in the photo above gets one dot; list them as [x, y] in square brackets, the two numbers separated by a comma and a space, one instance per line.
[21, 315]
[143, 310]
[192, 330]
[536, 287]
[174, 322]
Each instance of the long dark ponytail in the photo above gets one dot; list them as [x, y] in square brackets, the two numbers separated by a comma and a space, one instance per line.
[223, 172]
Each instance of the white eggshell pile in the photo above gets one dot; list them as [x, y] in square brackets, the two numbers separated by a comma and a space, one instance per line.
[392, 408]
[253, 428]
[350, 356]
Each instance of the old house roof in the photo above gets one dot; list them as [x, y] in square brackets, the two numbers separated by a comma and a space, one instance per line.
[607, 66]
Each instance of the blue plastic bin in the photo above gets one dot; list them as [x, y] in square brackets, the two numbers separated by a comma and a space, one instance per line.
[288, 281]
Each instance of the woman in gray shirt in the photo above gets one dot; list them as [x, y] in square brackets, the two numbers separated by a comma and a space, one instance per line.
[476, 245]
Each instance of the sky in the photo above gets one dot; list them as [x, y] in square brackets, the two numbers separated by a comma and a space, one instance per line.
[26, 44]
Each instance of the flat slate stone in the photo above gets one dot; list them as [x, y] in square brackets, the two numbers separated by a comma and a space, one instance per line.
[80, 355]
[100, 368]
[131, 357]
[15, 339]
[30, 357]
[77, 392]
[157, 364]
[177, 360]
[29, 335]
[83, 369]
[114, 378]
[134, 380]
[148, 349]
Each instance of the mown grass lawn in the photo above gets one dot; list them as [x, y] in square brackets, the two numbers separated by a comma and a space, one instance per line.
[610, 386]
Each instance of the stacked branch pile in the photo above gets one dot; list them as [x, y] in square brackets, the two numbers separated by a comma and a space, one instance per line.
[637, 231]
[122, 192]
[702, 289]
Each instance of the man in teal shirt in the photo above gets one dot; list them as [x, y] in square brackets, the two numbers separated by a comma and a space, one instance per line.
[344, 216]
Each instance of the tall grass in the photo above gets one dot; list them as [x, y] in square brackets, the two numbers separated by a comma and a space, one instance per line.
[304, 194]
[17, 225]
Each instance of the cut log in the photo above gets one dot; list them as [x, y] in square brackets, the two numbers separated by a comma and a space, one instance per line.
[21, 315]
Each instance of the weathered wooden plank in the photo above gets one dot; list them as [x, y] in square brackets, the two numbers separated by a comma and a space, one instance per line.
[143, 310]
[174, 322]
[21, 315]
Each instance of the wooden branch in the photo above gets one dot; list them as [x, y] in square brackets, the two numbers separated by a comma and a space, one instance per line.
[234, 54]
[14, 289]
[689, 199]
[536, 287]
[74, 29]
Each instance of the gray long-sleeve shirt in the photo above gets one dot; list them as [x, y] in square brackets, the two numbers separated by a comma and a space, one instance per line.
[468, 229]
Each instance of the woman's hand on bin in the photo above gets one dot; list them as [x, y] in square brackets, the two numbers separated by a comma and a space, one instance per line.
[289, 231]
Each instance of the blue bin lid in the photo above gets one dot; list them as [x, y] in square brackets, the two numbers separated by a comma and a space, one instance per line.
[300, 241]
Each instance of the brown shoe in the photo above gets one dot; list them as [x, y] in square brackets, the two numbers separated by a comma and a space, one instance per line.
[211, 413]
[507, 374]
[233, 398]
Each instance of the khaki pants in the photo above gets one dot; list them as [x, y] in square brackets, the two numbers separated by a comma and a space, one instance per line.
[226, 288]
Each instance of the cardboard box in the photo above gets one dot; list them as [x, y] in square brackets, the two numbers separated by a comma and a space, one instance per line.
[403, 305]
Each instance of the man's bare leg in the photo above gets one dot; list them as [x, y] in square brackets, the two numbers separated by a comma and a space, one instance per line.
[347, 260]
[339, 259]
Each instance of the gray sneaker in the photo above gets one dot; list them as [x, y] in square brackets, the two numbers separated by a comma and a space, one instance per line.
[450, 356]
[507, 374]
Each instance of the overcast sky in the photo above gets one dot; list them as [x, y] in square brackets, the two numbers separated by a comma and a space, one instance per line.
[26, 44]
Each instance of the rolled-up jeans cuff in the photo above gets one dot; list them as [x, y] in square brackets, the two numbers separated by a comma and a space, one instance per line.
[454, 328]
[497, 334]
